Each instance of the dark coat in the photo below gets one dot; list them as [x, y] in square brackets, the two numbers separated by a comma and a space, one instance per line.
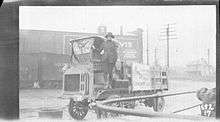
[110, 52]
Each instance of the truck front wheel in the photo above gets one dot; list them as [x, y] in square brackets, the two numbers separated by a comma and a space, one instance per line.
[78, 109]
[159, 104]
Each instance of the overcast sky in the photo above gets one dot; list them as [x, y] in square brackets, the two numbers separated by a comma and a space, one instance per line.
[195, 26]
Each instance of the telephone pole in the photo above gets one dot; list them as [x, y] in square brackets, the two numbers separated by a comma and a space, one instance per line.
[169, 34]
[155, 56]
[168, 62]
[147, 48]
[121, 30]
[208, 56]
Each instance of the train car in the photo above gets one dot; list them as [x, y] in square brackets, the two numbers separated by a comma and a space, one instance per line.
[84, 84]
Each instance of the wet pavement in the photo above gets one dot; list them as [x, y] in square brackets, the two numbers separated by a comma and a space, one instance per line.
[33, 99]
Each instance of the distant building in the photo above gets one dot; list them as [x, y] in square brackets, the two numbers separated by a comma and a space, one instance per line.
[102, 30]
[200, 69]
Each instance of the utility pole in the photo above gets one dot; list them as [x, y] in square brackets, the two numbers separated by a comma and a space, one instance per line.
[208, 57]
[121, 30]
[169, 33]
[209, 68]
[38, 67]
[155, 55]
[168, 63]
[147, 48]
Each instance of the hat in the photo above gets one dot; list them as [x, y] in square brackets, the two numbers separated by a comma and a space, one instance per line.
[109, 34]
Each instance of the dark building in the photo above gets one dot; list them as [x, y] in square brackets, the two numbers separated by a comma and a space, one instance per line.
[44, 53]
[38, 41]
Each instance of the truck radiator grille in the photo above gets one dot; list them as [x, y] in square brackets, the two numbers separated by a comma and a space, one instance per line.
[72, 82]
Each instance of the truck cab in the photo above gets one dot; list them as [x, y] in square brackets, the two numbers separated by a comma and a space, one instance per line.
[85, 75]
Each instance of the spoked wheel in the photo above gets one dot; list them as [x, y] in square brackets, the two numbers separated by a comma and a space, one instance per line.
[149, 102]
[159, 104]
[77, 109]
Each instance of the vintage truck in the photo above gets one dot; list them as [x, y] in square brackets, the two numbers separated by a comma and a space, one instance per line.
[84, 84]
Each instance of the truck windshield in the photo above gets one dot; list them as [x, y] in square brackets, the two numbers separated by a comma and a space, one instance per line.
[86, 50]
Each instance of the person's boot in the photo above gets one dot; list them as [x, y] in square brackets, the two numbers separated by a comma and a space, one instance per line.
[108, 86]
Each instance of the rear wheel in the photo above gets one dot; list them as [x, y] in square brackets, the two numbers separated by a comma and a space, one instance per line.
[78, 109]
[159, 104]
[149, 102]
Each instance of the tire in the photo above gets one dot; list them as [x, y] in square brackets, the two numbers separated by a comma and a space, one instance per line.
[159, 104]
[78, 109]
[149, 102]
